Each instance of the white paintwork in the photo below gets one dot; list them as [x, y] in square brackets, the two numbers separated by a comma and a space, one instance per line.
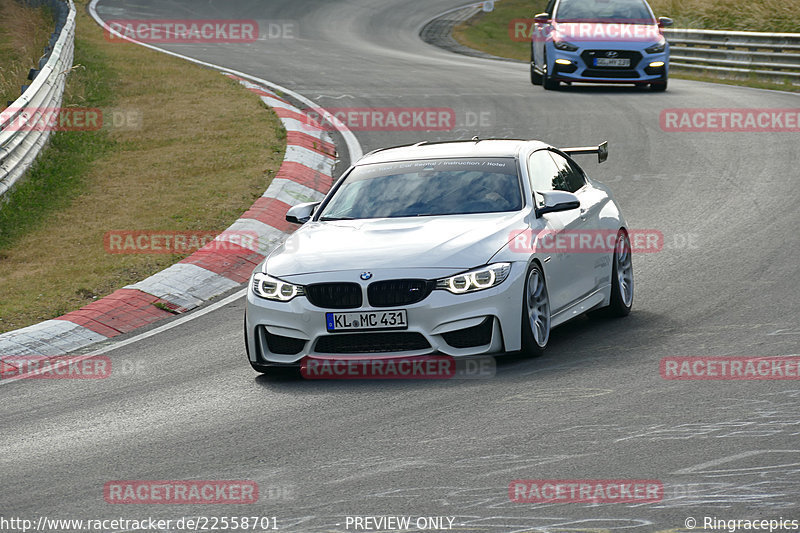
[435, 247]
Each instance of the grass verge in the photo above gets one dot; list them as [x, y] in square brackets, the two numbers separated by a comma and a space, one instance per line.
[489, 32]
[199, 150]
[23, 35]
[780, 16]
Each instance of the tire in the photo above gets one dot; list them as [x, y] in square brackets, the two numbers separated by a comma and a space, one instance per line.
[536, 78]
[549, 84]
[660, 86]
[535, 312]
[622, 286]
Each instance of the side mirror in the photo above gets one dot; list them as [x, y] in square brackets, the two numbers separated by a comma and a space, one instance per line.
[665, 22]
[301, 213]
[542, 18]
[555, 201]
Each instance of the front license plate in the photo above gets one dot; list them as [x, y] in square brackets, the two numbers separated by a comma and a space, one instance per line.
[396, 319]
[611, 62]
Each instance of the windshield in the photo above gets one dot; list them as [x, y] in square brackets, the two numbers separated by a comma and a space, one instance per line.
[426, 188]
[627, 11]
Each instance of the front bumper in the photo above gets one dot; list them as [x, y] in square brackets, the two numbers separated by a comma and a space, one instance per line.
[458, 325]
[581, 69]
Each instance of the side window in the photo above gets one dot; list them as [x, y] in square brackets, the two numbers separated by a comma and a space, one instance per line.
[550, 5]
[542, 171]
[570, 177]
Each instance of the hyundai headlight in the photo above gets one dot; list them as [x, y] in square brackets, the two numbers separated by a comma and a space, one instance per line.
[475, 280]
[564, 45]
[657, 48]
[274, 289]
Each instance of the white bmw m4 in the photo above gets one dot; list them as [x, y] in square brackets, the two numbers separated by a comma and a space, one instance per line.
[459, 248]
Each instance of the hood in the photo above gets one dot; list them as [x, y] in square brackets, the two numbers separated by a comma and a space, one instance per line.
[453, 241]
[606, 34]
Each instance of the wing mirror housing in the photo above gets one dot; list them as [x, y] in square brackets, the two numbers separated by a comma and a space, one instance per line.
[301, 213]
[542, 18]
[555, 201]
[665, 22]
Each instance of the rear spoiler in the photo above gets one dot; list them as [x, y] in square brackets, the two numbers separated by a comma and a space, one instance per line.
[601, 151]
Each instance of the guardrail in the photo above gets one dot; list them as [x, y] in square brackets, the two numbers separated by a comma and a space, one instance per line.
[737, 54]
[19, 146]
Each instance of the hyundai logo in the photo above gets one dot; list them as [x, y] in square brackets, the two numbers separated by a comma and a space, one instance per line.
[612, 53]
[366, 275]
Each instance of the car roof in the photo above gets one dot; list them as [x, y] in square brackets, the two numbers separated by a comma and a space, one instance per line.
[454, 149]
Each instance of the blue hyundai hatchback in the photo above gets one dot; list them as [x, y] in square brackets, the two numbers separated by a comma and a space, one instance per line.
[599, 41]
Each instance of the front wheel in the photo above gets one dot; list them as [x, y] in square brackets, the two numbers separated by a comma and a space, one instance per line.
[535, 313]
[659, 86]
[536, 78]
[548, 83]
[621, 281]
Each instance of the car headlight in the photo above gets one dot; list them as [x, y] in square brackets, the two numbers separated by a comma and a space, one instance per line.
[657, 48]
[475, 280]
[564, 45]
[274, 289]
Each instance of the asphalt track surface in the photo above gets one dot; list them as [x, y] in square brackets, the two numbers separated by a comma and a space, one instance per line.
[595, 407]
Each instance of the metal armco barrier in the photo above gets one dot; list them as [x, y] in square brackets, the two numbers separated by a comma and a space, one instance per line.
[20, 146]
[738, 54]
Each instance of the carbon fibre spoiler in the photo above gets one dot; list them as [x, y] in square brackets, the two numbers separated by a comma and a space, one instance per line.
[601, 150]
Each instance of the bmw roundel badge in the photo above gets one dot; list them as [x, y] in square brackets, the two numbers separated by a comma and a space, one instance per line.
[366, 275]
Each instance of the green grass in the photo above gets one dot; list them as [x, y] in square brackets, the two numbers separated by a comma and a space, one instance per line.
[762, 15]
[58, 176]
[490, 31]
[23, 34]
[204, 149]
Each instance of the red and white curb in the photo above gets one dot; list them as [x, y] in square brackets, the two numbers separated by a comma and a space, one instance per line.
[304, 176]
